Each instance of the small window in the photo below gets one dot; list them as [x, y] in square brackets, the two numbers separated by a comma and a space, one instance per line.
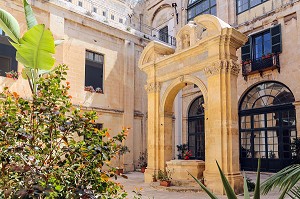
[263, 43]
[95, 9]
[112, 17]
[120, 20]
[94, 70]
[163, 34]
[104, 13]
[80, 3]
[198, 7]
[243, 5]
[70, 1]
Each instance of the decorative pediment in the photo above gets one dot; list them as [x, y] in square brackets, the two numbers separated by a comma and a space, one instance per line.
[153, 51]
[189, 35]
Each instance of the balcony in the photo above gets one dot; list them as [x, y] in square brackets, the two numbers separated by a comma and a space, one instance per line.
[268, 62]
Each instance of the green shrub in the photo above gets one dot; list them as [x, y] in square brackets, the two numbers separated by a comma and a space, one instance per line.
[49, 149]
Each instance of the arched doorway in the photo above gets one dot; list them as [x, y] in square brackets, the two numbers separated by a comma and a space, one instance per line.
[196, 132]
[267, 127]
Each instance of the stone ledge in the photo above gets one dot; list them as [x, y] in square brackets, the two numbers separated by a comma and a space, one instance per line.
[176, 188]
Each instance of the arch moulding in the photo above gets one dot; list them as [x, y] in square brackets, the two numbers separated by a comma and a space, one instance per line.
[206, 56]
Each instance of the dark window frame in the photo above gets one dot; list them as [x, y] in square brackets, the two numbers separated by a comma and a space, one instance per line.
[7, 51]
[247, 51]
[93, 64]
[164, 34]
[249, 6]
[196, 129]
[272, 122]
[80, 3]
[196, 3]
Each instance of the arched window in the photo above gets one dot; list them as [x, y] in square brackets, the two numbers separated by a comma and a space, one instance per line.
[198, 7]
[196, 136]
[267, 127]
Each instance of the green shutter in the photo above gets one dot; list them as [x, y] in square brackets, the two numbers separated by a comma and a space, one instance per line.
[276, 39]
[246, 51]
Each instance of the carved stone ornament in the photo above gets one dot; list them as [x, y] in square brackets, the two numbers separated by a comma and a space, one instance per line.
[152, 87]
[223, 66]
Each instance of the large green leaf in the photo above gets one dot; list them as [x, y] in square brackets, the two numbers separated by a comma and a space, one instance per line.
[257, 185]
[36, 47]
[246, 191]
[9, 25]
[211, 195]
[30, 18]
[229, 191]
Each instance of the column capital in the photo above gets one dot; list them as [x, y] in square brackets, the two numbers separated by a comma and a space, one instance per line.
[152, 87]
[222, 66]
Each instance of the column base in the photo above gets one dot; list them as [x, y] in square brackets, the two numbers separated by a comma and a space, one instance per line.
[214, 183]
[148, 175]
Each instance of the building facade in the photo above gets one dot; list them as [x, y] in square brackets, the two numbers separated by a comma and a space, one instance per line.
[102, 55]
[268, 97]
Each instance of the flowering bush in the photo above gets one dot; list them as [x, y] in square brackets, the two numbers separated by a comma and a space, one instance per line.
[49, 149]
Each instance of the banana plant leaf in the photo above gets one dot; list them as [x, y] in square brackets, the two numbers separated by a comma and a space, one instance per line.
[35, 48]
[9, 25]
[30, 18]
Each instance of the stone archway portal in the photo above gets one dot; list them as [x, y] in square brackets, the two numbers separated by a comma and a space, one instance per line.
[205, 56]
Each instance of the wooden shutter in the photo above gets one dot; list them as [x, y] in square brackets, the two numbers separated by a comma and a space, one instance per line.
[276, 39]
[246, 51]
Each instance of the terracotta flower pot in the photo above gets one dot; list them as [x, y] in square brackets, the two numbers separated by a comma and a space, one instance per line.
[9, 75]
[119, 171]
[143, 169]
[165, 183]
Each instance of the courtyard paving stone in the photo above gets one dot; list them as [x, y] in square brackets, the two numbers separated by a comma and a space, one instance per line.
[151, 191]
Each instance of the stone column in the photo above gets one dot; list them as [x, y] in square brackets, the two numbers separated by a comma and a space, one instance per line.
[221, 136]
[153, 89]
[128, 117]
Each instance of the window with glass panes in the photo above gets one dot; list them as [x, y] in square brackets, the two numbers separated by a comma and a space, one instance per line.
[263, 43]
[94, 70]
[8, 60]
[243, 5]
[198, 7]
[267, 127]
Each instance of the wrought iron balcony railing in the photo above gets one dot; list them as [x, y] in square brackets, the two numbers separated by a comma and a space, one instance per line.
[269, 62]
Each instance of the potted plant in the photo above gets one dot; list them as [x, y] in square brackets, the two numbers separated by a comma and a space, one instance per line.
[89, 88]
[154, 179]
[269, 55]
[182, 148]
[164, 177]
[122, 150]
[187, 154]
[98, 90]
[263, 56]
[12, 74]
[143, 161]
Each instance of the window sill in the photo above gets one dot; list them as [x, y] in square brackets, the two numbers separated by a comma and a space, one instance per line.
[260, 66]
